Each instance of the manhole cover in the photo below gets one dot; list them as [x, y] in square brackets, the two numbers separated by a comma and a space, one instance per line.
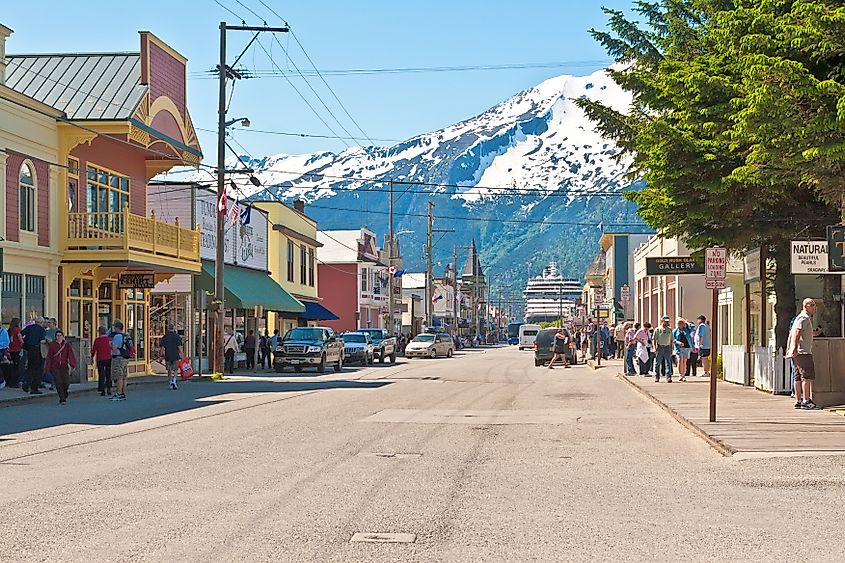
[383, 537]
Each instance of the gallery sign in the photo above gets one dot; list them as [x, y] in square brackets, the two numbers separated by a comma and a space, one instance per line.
[836, 248]
[673, 265]
[243, 245]
[809, 257]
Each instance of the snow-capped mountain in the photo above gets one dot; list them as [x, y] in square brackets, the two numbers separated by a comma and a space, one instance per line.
[536, 140]
[530, 167]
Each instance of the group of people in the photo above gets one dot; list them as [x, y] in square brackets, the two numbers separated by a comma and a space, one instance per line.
[38, 353]
[658, 349]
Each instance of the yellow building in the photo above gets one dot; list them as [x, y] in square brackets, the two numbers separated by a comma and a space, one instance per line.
[292, 262]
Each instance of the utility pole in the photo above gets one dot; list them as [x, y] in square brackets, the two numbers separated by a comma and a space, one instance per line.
[219, 289]
[391, 246]
[428, 288]
[455, 289]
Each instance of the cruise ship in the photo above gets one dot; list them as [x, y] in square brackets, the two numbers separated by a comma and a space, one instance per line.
[550, 295]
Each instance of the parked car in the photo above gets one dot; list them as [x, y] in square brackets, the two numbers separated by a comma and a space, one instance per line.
[309, 347]
[358, 348]
[544, 343]
[384, 345]
[430, 346]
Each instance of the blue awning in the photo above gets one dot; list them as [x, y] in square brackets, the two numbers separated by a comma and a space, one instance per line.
[316, 312]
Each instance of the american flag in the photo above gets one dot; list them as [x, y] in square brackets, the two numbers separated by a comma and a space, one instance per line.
[235, 213]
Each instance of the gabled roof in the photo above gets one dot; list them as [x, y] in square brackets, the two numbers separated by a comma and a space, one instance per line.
[101, 86]
[473, 265]
[598, 268]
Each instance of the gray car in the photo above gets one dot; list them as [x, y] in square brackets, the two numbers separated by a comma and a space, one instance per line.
[358, 347]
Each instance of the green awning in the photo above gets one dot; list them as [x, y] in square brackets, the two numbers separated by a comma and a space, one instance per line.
[246, 289]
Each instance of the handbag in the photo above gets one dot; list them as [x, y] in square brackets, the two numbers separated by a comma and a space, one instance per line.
[185, 369]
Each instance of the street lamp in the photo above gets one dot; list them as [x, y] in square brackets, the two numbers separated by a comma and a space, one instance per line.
[244, 122]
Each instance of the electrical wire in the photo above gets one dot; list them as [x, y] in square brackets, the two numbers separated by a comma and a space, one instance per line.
[305, 135]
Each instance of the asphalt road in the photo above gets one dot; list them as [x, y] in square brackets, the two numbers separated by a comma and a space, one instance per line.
[481, 457]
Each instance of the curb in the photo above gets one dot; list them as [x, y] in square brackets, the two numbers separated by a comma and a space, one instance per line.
[718, 445]
[592, 365]
[51, 395]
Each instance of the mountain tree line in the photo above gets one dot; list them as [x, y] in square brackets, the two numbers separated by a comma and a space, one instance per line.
[736, 125]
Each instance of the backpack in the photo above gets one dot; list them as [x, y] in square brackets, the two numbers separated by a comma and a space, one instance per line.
[127, 347]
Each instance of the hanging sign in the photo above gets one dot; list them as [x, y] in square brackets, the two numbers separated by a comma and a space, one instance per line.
[673, 265]
[836, 248]
[809, 257]
[751, 266]
[136, 280]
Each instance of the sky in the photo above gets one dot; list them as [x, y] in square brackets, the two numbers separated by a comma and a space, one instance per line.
[336, 35]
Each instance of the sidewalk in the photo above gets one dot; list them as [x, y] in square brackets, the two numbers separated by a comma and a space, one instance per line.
[749, 423]
[15, 396]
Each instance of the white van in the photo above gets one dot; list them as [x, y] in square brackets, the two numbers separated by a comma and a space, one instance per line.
[527, 335]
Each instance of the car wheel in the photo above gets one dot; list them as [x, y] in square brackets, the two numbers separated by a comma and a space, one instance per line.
[433, 353]
[537, 363]
[393, 358]
[321, 367]
[449, 353]
[297, 369]
[339, 365]
[279, 369]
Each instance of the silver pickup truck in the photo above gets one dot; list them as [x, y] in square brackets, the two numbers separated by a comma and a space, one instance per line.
[384, 345]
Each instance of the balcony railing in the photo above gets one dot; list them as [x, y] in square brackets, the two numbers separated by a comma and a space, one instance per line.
[122, 230]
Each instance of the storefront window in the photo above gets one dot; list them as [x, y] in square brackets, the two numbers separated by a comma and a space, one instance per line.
[34, 296]
[11, 300]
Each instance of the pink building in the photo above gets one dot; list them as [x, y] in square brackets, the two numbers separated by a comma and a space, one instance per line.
[354, 280]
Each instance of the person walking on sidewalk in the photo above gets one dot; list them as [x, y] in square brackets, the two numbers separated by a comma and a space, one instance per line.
[230, 348]
[33, 335]
[120, 344]
[15, 351]
[60, 360]
[800, 350]
[683, 344]
[619, 338]
[264, 351]
[643, 341]
[630, 348]
[249, 348]
[101, 354]
[171, 348]
[701, 343]
[664, 343]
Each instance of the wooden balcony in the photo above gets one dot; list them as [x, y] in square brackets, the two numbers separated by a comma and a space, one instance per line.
[121, 236]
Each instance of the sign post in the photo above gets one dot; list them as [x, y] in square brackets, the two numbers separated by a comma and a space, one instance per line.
[715, 271]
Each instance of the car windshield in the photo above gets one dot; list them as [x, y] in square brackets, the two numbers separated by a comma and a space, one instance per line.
[374, 334]
[357, 338]
[424, 338]
[305, 334]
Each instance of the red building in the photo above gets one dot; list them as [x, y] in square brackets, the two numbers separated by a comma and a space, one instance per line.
[353, 279]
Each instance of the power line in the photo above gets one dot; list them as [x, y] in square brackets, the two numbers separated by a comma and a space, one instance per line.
[305, 135]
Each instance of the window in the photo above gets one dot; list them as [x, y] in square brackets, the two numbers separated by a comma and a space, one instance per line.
[12, 294]
[303, 265]
[27, 198]
[290, 260]
[364, 275]
[311, 267]
[108, 194]
[34, 296]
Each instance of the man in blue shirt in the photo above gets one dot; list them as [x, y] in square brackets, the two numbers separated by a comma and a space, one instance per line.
[32, 337]
[701, 342]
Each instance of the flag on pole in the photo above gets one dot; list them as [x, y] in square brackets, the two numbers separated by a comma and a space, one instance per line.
[398, 273]
[221, 201]
[246, 214]
[436, 297]
[235, 213]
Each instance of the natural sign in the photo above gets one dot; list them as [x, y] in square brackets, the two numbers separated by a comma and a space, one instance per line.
[809, 257]
[673, 265]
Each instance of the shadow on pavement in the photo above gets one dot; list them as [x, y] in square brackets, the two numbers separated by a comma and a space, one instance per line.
[150, 401]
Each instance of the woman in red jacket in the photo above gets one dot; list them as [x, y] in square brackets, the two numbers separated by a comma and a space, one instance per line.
[60, 360]
[15, 348]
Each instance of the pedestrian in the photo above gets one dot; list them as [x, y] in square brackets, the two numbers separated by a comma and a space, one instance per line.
[230, 348]
[664, 344]
[683, 345]
[5, 358]
[652, 351]
[120, 352]
[250, 345]
[800, 350]
[33, 336]
[630, 347]
[60, 360]
[101, 354]
[15, 352]
[49, 336]
[560, 345]
[642, 339]
[604, 341]
[619, 338]
[264, 350]
[171, 349]
[275, 342]
[701, 343]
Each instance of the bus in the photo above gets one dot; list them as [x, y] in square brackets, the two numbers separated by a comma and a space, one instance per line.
[513, 332]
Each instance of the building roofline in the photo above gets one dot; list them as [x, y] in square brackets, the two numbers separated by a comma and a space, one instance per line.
[74, 54]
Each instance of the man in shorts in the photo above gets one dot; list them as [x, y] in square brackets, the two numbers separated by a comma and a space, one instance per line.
[171, 349]
[119, 364]
[559, 347]
[800, 349]
[701, 343]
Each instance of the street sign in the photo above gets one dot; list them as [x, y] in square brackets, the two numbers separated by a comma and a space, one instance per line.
[751, 266]
[715, 284]
[673, 265]
[715, 263]
[602, 313]
[836, 248]
[625, 294]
